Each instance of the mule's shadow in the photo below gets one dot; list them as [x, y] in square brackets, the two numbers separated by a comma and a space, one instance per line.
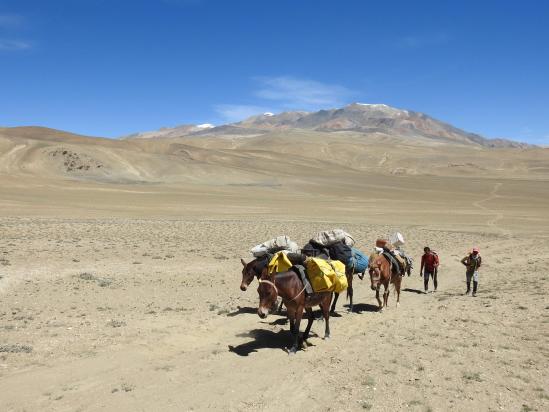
[279, 321]
[242, 310]
[262, 339]
[413, 291]
[364, 307]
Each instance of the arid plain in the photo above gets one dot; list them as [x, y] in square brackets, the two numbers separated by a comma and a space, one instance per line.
[120, 271]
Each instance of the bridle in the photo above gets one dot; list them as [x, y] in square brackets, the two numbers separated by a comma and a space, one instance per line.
[377, 274]
[376, 270]
[268, 282]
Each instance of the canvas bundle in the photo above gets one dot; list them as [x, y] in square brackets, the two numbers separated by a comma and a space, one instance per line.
[329, 237]
[277, 244]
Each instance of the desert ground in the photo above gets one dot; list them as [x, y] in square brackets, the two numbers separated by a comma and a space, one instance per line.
[119, 289]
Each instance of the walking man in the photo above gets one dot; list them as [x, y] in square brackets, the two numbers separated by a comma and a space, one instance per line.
[472, 262]
[429, 268]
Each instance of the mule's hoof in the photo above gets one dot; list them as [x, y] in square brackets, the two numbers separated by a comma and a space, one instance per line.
[326, 337]
[292, 351]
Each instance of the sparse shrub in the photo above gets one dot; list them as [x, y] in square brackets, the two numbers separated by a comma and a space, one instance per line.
[472, 376]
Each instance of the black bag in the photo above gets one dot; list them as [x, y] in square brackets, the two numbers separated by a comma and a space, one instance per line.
[340, 251]
[313, 249]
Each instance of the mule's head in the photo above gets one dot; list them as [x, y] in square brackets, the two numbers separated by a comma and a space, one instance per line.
[248, 274]
[375, 274]
[268, 294]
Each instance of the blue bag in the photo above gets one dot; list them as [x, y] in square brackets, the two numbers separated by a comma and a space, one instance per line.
[360, 261]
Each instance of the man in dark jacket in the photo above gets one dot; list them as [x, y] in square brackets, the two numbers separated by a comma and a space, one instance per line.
[472, 262]
[429, 268]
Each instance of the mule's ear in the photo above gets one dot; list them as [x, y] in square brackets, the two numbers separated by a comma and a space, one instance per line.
[243, 262]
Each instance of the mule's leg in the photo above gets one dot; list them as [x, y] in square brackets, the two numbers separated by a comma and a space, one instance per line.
[385, 295]
[333, 309]
[310, 318]
[378, 299]
[326, 313]
[350, 290]
[291, 317]
[397, 289]
[298, 316]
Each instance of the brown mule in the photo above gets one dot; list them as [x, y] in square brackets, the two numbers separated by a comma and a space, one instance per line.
[253, 269]
[250, 270]
[381, 274]
[290, 288]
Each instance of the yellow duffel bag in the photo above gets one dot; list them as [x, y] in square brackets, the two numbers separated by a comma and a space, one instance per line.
[326, 276]
[340, 280]
[279, 263]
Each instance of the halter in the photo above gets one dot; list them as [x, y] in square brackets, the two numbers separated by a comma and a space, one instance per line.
[268, 282]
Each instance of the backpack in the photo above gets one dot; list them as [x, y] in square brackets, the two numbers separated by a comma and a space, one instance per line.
[359, 261]
[313, 249]
[340, 251]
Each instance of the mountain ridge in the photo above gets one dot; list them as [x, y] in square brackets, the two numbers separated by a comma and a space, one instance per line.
[356, 117]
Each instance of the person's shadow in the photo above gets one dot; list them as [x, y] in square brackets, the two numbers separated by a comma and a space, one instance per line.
[262, 339]
[413, 290]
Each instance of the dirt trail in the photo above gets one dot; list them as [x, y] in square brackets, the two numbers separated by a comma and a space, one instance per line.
[9, 161]
[497, 216]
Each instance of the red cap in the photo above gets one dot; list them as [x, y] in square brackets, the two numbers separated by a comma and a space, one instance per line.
[475, 249]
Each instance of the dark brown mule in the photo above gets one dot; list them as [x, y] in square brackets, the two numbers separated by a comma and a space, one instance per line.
[250, 270]
[380, 274]
[253, 269]
[290, 288]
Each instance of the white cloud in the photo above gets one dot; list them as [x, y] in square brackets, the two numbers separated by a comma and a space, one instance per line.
[13, 45]
[277, 94]
[8, 21]
[293, 92]
[236, 112]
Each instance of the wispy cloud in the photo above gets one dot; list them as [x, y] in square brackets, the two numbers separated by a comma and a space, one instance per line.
[10, 21]
[282, 93]
[293, 92]
[13, 45]
[236, 112]
[421, 41]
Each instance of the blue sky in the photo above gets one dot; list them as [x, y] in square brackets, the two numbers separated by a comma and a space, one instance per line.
[113, 67]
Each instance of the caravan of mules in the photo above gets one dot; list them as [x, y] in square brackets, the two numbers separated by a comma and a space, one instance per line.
[316, 274]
